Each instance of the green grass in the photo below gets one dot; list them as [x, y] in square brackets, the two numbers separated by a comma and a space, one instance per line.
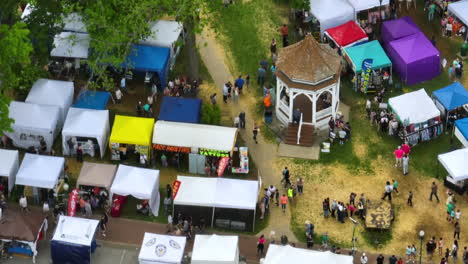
[182, 66]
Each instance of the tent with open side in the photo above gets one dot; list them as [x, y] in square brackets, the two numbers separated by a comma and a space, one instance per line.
[278, 254]
[32, 123]
[96, 100]
[414, 58]
[461, 131]
[40, 171]
[89, 127]
[347, 34]
[456, 163]
[415, 107]
[451, 97]
[55, 93]
[178, 109]
[397, 29]
[161, 249]
[361, 5]
[9, 165]
[74, 23]
[96, 175]
[214, 249]
[138, 182]
[460, 10]
[73, 240]
[149, 59]
[331, 13]
[71, 45]
[371, 50]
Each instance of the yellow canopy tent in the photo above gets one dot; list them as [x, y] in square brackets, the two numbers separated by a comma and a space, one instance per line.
[132, 130]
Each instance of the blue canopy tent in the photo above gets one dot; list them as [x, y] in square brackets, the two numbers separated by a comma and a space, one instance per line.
[150, 59]
[451, 97]
[461, 131]
[92, 100]
[177, 109]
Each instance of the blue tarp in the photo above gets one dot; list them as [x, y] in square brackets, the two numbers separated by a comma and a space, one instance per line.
[177, 109]
[67, 253]
[462, 125]
[452, 96]
[149, 59]
[92, 100]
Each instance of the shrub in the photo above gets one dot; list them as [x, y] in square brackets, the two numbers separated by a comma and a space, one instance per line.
[210, 114]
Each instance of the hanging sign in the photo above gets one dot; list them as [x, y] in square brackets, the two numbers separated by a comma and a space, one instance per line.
[175, 188]
[223, 162]
[171, 148]
[214, 153]
[72, 200]
[366, 70]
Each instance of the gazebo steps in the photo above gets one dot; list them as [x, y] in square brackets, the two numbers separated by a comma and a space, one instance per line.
[307, 133]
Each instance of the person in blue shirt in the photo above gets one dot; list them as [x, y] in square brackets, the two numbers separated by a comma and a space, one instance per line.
[239, 83]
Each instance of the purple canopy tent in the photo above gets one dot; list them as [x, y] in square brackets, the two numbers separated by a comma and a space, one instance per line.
[414, 58]
[397, 29]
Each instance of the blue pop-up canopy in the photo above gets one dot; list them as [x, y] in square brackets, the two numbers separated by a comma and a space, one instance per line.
[452, 96]
[177, 109]
[461, 130]
[149, 59]
[96, 100]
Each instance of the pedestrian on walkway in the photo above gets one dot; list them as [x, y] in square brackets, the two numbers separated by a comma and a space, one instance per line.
[326, 208]
[388, 192]
[225, 92]
[273, 47]
[392, 260]
[434, 192]
[260, 245]
[431, 12]
[235, 97]
[398, 156]
[410, 199]
[103, 224]
[239, 83]
[284, 35]
[360, 208]
[380, 259]
[284, 201]
[277, 197]
[395, 186]
[255, 131]
[440, 245]
[405, 164]
[334, 207]
[431, 247]
[400, 261]
[213, 98]
[300, 186]
[456, 232]
[79, 153]
[465, 255]
[242, 119]
[261, 73]
[364, 258]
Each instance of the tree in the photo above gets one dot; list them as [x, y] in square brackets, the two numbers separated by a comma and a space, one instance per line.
[211, 114]
[300, 4]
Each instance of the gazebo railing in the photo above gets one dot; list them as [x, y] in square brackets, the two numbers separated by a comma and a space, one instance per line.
[299, 130]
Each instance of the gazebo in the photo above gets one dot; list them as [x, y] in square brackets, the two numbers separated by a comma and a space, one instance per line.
[308, 79]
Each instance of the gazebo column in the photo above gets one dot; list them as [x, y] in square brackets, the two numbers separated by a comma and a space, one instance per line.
[279, 87]
[291, 106]
[334, 100]
[314, 108]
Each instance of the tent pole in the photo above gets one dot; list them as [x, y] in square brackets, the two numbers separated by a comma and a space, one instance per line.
[212, 218]
[253, 225]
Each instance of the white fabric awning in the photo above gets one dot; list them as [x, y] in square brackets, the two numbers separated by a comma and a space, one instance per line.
[163, 33]
[278, 254]
[86, 123]
[74, 23]
[9, 165]
[415, 107]
[360, 5]
[138, 182]
[217, 192]
[53, 92]
[460, 10]
[194, 135]
[456, 163]
[71, 45]
[161, 249]
[40, 171]
[215, 249]
[75, 230]
[331, 13]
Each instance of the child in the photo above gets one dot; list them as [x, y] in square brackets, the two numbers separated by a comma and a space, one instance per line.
[452, 216]
[410, 199]
[441, 246]
[458, 215]
[447, 253]
[395, 186]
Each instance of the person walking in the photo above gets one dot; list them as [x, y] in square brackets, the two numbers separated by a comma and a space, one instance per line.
[326, 208]
[410, 199]
[239, 83]
[434, 192]
[261, 73]
[398, 156]
[284, 201]
[430, 15]
[364, 258]
[273, 47]
[260, 245]
[405, 164]
[103, 224]
[79, 153]
[334, 207]
[300, 186]
[380, 259]
[465, 255]
[388, 191]
[392, 260]
[395, 186]
[440, 245]
[213, 98]
[255, 131]
[225, 92]
[284, 35]
[456, 232]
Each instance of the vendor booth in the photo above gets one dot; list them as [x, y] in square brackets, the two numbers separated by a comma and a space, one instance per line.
[347, 34]
[356, 55]
[215, 142]
[418, 116]
[459, 10]
[88, 128]
[278, 254]
[331, 13]
[397, 29]
[222, 202]
[96, 100]
[461, 131]
[71, 45]
[161, 249]
[130, 134]
[40, 171]
[178, 109]
[456, 165]
[451, 99]
[215, 249]
[74, 240]
[362, 5]
[73, 22]
[414, 58]
[96, 179]
[138, 182]
[32, 125]
[151, 61]
[9, 165]
[20, 232]
[53, 93]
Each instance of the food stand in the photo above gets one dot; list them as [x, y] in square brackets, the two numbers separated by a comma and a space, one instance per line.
[451, 99]
[97, 175]
[459, 10]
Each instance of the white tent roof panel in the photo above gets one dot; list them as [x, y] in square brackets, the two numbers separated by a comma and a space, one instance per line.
[71, 45]
[460, 10]
[456, 163]
[278, 254]
[75, 230]
[174, 249]
[194, 135]
[360, 5]
[210, 249]
[163, 33]
[40, 171]
[416, 107]
[9, 165]
[74, 22]
[331, 13]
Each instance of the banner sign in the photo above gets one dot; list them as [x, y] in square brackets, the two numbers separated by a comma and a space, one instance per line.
[223, 162]
[72, 200]
[213, 153]
[171, 148]
[175, 189]
[366, 71]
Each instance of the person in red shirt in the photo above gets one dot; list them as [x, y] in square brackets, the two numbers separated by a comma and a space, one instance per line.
[406, 148]
[284, 201]
[284, 34]
[398, 156]
[260, 245]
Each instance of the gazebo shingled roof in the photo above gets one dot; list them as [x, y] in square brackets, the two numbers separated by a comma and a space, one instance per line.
[308, 64]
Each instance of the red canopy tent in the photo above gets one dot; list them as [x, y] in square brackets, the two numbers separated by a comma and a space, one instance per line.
[346, 34]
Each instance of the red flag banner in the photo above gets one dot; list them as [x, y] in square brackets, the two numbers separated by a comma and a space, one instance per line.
[175, 189]
[223, 162]
[72, 200]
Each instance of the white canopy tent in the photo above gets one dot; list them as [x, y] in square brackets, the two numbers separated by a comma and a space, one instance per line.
[163, 34]
[31, 122]
[75, 230]
[71, 45]
[278, 254]
[331, 13]
[74, 23]
[414, 107]
[194, 135]
[9, 165]
[460, 10]
[161, 249]
[138, 182]
[40, 171]
[53, 92]
[86, 123]
[361, 5]
[456, 163]
[214, 249]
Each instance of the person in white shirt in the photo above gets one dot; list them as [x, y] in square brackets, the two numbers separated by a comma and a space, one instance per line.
[23, 202]
[45, 208]
[118, 96]
[150, 100]
[364, 258]
[45, 227]
[123, 84]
